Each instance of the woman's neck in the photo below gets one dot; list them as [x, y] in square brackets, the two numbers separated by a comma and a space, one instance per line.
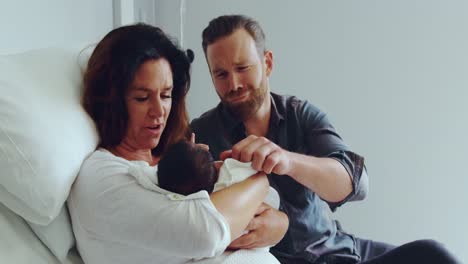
[130, 153]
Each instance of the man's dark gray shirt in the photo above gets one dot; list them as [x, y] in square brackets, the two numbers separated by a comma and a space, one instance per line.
[296, 126]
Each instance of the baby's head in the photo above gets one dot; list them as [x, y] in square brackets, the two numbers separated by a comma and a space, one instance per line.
[187, 168]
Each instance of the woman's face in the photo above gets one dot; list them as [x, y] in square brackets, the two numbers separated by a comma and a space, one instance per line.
[148, 104]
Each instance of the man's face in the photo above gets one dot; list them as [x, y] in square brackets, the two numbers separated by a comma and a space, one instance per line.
[239, 73]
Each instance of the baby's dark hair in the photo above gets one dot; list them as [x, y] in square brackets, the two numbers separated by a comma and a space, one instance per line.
[186, 168]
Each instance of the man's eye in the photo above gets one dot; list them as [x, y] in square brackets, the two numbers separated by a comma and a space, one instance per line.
[242, 68]
[221, 75]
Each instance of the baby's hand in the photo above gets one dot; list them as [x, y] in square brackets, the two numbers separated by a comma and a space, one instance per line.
[192, 139]
[218, 164]
[225, 154]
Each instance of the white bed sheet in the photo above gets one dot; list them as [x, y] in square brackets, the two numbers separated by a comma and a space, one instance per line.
[19, 244]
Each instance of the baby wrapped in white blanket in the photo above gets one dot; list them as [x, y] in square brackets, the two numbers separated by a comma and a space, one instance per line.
[186, 170]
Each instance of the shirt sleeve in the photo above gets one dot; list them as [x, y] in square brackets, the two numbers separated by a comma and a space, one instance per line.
[322, 140]
[113, 207]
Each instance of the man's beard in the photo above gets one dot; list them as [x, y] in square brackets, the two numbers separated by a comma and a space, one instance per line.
[247, 108]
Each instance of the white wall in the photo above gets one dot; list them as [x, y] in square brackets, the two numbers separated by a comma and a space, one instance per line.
[36, 24]
[393, 77]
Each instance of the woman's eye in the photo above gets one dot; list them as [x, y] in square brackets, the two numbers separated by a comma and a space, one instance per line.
[141, 99]
[166, 96]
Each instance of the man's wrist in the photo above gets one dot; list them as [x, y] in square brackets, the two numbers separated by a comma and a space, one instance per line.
[299, 165]
[293, 163]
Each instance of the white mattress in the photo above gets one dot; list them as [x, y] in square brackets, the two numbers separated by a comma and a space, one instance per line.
[19, 244]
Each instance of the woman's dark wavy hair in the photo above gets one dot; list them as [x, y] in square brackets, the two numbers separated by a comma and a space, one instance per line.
[111, 70]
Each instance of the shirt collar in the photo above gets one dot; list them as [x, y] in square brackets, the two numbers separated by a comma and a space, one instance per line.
[278, 108]
[229, 121]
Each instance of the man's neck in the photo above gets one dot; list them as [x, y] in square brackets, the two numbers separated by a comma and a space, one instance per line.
[259, 123]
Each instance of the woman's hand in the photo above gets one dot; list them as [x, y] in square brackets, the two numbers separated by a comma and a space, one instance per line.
[267, 228]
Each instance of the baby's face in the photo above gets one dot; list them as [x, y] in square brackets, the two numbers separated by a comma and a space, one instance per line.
[204, 148]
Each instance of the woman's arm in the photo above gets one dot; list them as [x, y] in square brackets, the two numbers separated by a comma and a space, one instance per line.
[239, 202]
[109, 207]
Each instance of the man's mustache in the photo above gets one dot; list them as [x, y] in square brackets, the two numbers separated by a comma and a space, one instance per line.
[233, 94]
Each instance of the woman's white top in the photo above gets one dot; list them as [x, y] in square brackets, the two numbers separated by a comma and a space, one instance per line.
[116, 220]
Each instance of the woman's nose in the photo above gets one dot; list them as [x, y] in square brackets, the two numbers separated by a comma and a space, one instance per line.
[156, 109]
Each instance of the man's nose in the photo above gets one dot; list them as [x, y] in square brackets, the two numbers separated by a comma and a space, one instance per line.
[235, 82]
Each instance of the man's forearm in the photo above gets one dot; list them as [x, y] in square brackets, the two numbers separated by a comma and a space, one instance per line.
[325, 176]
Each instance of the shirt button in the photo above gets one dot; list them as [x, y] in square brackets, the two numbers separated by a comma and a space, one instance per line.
[174, 196]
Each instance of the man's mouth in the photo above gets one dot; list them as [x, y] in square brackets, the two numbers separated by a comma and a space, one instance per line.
[238, 97]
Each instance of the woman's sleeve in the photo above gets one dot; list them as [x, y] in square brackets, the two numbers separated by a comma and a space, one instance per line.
[116, 209]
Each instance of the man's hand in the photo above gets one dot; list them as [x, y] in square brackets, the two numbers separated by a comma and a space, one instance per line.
[265, 155]
[265, 229]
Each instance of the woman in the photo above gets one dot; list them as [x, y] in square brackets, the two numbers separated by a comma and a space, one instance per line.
[135, 88]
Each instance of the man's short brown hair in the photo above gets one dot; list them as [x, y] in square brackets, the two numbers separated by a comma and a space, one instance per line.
[224, 26]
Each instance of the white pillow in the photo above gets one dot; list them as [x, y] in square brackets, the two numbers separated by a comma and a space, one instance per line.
[44, 132]
[58, 235]
[18, 243]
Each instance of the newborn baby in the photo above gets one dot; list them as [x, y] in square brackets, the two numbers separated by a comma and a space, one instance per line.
[187, 168]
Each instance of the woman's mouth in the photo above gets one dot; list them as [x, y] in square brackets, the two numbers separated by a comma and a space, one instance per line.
[155, 130]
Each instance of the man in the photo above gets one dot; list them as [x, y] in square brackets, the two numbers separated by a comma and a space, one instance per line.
[289, 139]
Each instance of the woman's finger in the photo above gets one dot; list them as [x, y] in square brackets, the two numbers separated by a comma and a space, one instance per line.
[245, 241]
[253, 224]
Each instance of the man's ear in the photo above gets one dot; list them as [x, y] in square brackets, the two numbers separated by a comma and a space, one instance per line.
[268, 61]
